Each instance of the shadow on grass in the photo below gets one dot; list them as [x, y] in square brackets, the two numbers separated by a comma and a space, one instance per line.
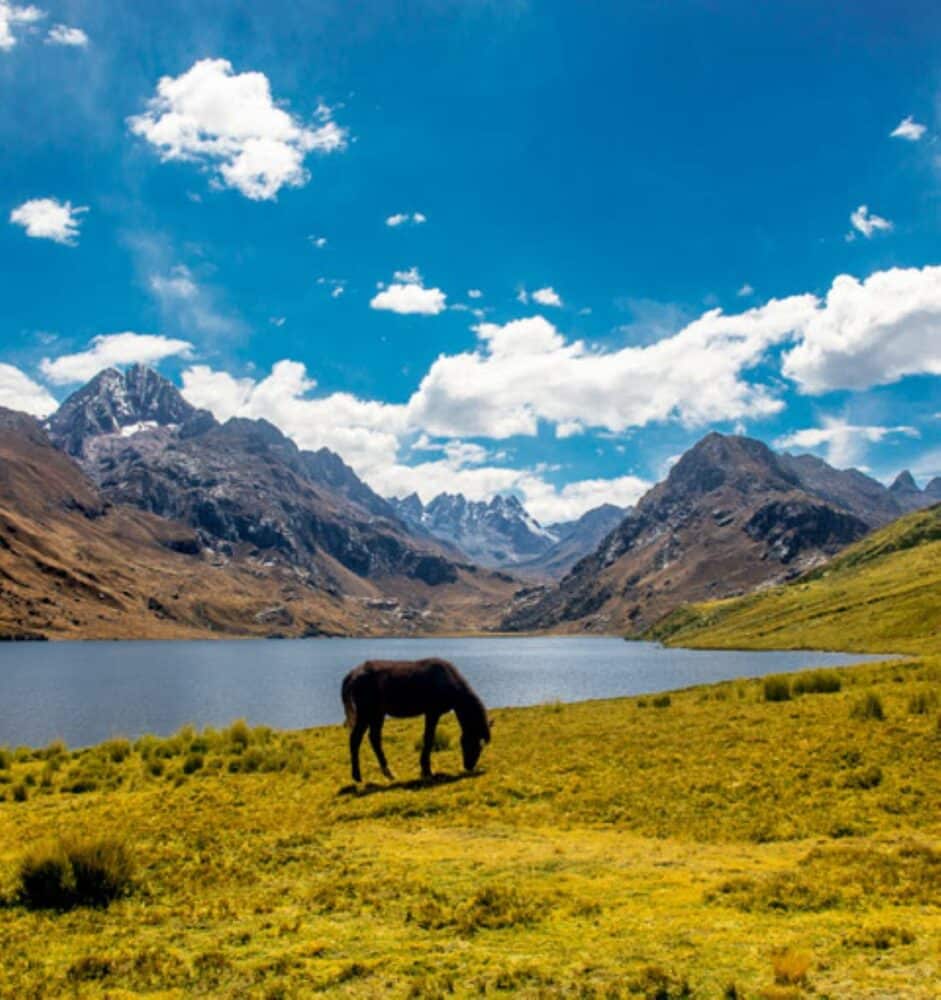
[415, 785]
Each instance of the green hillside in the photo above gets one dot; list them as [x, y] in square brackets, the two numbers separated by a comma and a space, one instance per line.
[881, 595]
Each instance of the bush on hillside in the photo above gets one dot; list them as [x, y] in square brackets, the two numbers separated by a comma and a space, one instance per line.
[66, 874]
[817, 682]
[868, 707]
[777, 689]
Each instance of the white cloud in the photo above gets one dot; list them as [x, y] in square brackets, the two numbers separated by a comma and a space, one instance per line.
[365, 433]
[871, 332]
[411, 276]
[526, 371]
[547, 296]
[13, 17]
[49, 219]
[19, 392]
[318, 241]
[549, 504]
[408, 296]
[229, 123]
[401, 218]
[908, 129]
[844, 443]
[338, 290]
[62, 34]
[745, 291]
[109, 350]
[522, 296]
[867, 223]
[277, 321]
[474, 293]
[187, 304]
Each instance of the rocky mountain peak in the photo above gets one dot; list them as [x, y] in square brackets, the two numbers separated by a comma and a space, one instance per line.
[114, 402]
[932, 491]
[720, 460]
[903, 483]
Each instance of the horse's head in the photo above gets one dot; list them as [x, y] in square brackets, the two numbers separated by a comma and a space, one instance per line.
[473, 739]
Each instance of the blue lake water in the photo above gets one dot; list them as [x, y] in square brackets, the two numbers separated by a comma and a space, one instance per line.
[84, 692]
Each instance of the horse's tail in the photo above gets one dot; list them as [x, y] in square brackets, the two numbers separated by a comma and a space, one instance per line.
[349, 705]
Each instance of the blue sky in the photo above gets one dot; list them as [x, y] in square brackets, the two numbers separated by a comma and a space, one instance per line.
[654, 202]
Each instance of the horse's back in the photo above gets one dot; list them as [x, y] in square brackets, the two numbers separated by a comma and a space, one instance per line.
[403, 687]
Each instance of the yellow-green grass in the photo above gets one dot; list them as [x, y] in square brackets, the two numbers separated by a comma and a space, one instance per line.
[705, 848]
[882, 594]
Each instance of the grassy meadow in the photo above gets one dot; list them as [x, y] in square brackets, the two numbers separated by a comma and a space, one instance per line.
[748, 839]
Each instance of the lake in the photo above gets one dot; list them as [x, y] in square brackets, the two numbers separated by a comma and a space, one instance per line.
[85, 692]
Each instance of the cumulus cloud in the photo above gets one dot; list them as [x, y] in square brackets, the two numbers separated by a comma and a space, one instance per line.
[364, 432]
[14, 17]
[49, 219]
[908, 129]
[62, 34]
[110, 350]
[526, 371]
[844, 443]
[407, 295]
[19, 392]
[318, 241]
[401, 218]
[547, 296]
[745, 291]
[867, 223]
[229, 123]
[474, 293]
[870, 332]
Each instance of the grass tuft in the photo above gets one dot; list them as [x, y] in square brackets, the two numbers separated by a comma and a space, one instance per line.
[66, 874]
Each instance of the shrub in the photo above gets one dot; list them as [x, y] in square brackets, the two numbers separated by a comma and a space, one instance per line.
[869, 777]
[193, 763]
[116, 750]
[662, 701]
[56, 748]
[67, 874]
[880, 938]
[20, 793]
[922, 703]
[777, 689]
[790, 967]
[817, 682]
[868, 707]
[238, 734]
[6, 759]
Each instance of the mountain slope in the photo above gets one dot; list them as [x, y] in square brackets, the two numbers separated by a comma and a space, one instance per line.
[883, 593]
[730, 516]
[576, 539]
[72, 564]
[243, 486]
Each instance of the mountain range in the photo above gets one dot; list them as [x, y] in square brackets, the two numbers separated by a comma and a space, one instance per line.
[500, 533]
[731, 516]
[131, 512]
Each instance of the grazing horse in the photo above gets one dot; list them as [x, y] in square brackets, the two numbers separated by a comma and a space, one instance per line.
[405, 688]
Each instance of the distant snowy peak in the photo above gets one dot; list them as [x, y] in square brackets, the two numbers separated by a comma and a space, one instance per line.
[498, 532]
[502, 533]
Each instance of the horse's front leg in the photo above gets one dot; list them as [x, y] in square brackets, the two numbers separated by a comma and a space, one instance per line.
[356, 738]
[375, 738]
[431, 724]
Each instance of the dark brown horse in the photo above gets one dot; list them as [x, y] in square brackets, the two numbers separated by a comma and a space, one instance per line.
[405, 688]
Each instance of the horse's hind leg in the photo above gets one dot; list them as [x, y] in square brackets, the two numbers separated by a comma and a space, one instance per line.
[375, 738]
[431, 723]
[356, 738]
